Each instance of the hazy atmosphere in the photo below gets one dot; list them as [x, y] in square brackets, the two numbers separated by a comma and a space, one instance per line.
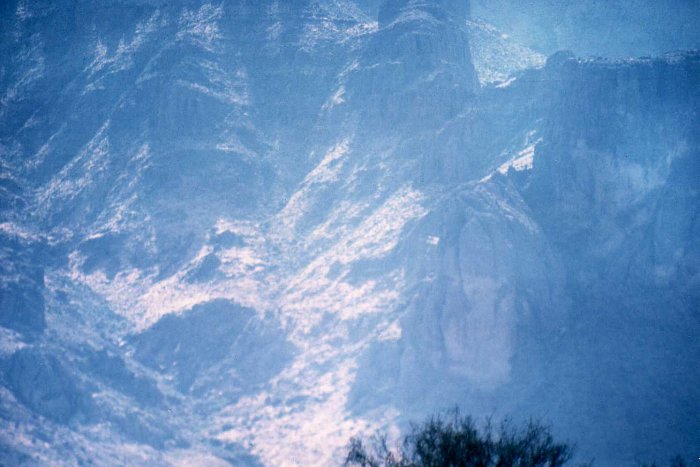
[242, 232]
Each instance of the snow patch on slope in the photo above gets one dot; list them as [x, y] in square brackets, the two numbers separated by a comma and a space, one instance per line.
[523, 160]
[309, 286]
[327, 170]
[122, 59]
[32, 66]
[322, 286]
[143, 298]
[201, 27]
[336, 21]
[81, 172]
[315, 426]
[496, 57]
[10, 341]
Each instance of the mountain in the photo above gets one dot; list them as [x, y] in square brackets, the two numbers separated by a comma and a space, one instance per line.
[243, 232]
[607, 28]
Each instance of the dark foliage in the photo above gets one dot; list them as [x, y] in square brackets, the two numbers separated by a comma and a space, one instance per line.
[677, 461]
[453, 440]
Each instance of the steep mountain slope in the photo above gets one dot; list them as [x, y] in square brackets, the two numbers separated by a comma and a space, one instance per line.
[244, 232]
[545, 286]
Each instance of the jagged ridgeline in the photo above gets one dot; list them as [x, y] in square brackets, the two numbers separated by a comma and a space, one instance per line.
[245, 232]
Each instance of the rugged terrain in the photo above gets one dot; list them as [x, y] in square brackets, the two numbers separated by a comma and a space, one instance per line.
[245, 231]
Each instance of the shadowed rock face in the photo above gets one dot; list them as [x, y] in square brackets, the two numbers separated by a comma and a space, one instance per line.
[537, 287]
[211, 338]
[575, 276]
[421, 58]
[44, 385]
[609, 170]
[247, 231]
[112, 370]
[22, 305]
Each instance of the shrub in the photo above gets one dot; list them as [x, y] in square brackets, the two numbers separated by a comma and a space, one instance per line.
[453, 440]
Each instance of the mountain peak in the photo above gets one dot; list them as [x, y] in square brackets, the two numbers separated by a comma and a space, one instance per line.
[439, 9]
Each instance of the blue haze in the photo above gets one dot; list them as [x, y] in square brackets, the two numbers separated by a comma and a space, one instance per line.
[242, 232]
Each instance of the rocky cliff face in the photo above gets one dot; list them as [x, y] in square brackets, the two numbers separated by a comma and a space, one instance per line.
[244, 232]
[546, 303]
